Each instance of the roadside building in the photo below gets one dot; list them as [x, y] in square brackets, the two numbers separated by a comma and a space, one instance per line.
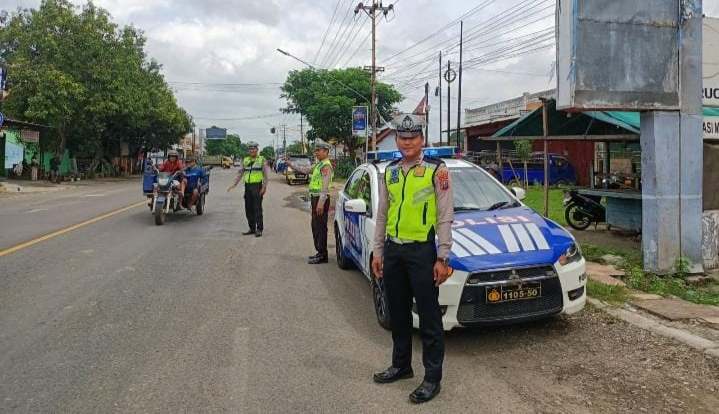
[21, 141]
[483, 122]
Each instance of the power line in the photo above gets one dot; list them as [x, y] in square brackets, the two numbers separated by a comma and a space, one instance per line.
[442, 29]
[337, 32]
[494, 26]
[327, 31]
[336, 53]
[346, 46]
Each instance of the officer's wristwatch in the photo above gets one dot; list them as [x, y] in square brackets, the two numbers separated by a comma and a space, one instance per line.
[443, 260]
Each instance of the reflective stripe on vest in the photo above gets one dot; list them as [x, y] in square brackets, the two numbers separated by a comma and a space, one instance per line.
[316, 177]
[254, 169]
[412, 211]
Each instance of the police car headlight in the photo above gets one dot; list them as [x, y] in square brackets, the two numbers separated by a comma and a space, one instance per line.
[573, 254]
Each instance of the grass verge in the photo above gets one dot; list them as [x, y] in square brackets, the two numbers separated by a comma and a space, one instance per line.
[535, 200]
[606, 293]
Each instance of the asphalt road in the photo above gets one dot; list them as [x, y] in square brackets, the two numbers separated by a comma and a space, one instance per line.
[125, 316]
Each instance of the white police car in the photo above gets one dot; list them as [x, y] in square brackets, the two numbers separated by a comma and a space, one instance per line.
[509, 263]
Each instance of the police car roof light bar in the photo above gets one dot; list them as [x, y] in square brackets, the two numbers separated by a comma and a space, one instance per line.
[436, 152]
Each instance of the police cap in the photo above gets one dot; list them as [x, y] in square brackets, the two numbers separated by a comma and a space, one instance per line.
[408, 125]
[320, 144]
[252, 144]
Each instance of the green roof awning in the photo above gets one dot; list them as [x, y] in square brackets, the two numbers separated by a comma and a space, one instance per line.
[589, 126]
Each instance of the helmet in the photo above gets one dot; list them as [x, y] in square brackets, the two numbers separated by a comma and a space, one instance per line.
[172, 153]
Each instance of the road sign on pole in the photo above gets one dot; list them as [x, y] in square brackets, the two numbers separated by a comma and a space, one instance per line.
[2, 119]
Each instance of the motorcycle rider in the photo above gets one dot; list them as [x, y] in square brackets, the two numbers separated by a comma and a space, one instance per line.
[192, 168]
[172, 165]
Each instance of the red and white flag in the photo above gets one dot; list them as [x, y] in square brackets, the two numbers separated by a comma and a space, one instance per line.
[421, 109]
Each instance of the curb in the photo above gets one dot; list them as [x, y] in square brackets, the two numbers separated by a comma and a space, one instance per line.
[707, 346]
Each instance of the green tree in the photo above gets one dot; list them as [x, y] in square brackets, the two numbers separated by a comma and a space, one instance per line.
[231, 146]
[523, 149]
[322, 97]
[268, 152]
[74, 69]
[294, 148]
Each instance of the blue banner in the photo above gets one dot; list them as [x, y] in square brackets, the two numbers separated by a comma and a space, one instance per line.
[359, 120]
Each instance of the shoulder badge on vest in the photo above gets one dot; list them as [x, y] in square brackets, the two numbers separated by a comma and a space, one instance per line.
[394, 175]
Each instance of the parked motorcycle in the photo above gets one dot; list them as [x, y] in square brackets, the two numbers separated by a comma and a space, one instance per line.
[581, 210]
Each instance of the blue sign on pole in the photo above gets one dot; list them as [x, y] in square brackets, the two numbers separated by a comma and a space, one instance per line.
[359, 120]
[215, 133]
[2, 119]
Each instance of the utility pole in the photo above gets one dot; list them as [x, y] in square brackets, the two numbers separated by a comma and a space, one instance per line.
[302, 135]
[284, 138]
[426, 114]
[372, 13]
[459, 94]
[439, 92]
[450, 75]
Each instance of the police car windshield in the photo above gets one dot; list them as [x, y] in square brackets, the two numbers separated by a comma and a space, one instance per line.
[475, 190]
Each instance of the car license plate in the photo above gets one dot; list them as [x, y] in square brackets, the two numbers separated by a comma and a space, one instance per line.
[502, 294]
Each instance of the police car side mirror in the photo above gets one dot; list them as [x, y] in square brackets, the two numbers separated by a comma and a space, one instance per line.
[357, 206]
[519, 193]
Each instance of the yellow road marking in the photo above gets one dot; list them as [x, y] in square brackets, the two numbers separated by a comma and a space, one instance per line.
[68, 229]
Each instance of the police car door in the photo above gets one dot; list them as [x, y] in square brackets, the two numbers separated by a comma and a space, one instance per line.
[354, 224]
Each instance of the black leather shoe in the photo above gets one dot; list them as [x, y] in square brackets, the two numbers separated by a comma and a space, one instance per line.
[248, 233]
[259, 233]
[425, 392]
[313, 257]
[392, 374]
[318, 260]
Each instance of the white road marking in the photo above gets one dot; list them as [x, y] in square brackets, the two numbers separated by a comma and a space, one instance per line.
[538, 237]
[467, 244]
[36, 210]
[95, 195]
[509, 240]
[523, 237]
[486, 245]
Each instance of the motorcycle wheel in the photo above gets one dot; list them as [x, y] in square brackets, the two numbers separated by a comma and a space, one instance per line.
[201, 205]
[159, 216]
[576, 219]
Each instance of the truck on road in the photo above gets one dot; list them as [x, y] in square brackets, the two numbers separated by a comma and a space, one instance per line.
[218, 160]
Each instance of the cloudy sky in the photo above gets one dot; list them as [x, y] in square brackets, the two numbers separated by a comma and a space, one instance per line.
[220, 58]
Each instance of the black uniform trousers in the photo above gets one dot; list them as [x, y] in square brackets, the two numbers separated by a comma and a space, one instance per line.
[409, 272]
[253, 206]
[319, 225]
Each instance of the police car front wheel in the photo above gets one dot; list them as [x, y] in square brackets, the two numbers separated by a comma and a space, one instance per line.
[342, 261]
[381, 308]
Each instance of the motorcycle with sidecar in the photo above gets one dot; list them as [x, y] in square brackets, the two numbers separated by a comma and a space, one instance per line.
[162, 190]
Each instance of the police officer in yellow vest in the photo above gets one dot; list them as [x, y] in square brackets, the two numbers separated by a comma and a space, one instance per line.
[321, 176]
[415, 205]
[255, 171]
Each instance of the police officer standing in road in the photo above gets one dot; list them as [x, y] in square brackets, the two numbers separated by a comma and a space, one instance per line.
[255, 171]
[415, 205]
[321, 176]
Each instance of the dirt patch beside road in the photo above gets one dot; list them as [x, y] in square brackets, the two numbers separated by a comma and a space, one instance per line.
[615, 367]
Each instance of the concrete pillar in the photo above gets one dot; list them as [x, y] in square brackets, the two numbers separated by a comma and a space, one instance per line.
[660, 190]
[691, 149]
